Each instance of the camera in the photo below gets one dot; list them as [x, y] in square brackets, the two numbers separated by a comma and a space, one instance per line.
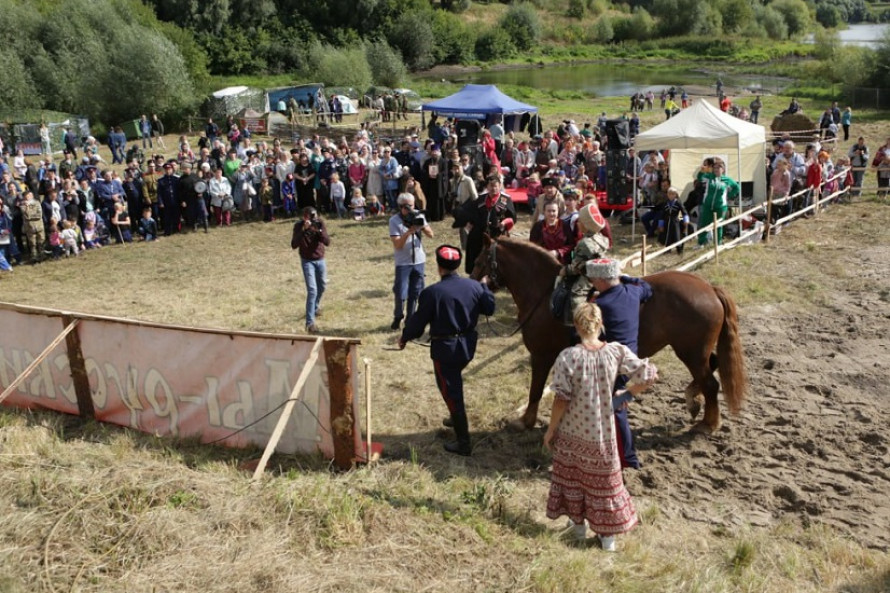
[316, 223]
[416, 218]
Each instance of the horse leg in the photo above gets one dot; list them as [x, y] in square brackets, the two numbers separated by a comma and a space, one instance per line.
[703, 382]
[711, 422]
[540, 369]
[694, 399]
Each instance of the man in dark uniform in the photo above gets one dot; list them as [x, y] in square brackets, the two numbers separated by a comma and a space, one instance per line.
[491, 213]
[191, 201]
[451, 307]
[619, 298]
[434, 181]
[169, 199]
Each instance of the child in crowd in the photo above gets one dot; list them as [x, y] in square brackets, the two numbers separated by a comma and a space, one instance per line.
[69, 239]
[357, 203]
[55, 240]
[148, 226]
[289, 195]
[338, 195]
[266, 194]
[120, 220]
[533, 189]
[90, 234]
[373, 206]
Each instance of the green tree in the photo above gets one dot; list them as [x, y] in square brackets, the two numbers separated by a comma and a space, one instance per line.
[796, 15]
[17, 91]
[576, 9]
[339, 66]
[879, 73]
[828, 16]
[387, 67]
[774, 24]
[522, 26]
[494, 44]
[736, 14]
[412, 35]
[642, 23]
[455, 40]
[602, 31]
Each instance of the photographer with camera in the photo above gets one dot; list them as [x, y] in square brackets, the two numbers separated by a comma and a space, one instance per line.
[406, 230]
[310, 236]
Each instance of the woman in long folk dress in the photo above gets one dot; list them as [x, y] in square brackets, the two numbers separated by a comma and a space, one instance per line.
[586, 481]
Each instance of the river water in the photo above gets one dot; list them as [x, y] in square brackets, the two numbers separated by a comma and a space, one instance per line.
[865, 35]
[625, 79]
[618, 79]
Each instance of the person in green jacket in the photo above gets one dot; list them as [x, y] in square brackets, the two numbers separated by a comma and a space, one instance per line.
[718, 190]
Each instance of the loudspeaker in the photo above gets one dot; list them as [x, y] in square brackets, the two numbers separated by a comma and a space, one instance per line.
[617, 134]
[617, 189]
[467, 131]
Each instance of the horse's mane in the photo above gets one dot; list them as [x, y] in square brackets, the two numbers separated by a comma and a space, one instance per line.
[533, 255]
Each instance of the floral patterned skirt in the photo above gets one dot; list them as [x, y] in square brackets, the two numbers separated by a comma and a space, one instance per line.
[586, 483]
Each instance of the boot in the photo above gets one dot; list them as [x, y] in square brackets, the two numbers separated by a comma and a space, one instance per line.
[462, 445]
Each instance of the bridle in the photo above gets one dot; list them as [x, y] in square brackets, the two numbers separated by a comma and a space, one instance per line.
[493, 285]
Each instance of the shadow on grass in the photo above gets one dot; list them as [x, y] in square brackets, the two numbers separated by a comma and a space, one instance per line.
[878, 582]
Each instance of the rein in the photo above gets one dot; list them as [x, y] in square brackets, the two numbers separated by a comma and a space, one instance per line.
[492, 276]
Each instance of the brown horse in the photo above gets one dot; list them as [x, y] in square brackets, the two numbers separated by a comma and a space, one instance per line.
[685, 312]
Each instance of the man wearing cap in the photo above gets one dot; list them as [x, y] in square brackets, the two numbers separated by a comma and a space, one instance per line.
[32, 218]
[406, 234]
[169, 200]
[451, 308]
[549, 194]
[594, 244]
[492, 213]
[619, 298]
[193, 207]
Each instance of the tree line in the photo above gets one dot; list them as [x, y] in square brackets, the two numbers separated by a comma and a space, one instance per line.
[114, 59]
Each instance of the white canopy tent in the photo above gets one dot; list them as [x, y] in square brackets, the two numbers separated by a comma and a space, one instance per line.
[703, 131]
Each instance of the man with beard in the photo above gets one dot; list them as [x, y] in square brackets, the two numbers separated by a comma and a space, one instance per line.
[492, 213]
[434, 181]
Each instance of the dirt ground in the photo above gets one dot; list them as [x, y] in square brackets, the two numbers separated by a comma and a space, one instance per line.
[812, 442]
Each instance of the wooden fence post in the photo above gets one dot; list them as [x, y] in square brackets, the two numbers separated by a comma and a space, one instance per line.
[769, 216]
[643, 256]
[716, 242]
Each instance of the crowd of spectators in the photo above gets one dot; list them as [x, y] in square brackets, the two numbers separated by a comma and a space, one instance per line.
[224, 176]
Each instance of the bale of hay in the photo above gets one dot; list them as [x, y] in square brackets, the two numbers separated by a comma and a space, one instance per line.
[799, 126]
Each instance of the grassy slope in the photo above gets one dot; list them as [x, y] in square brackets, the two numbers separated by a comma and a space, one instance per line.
[96, 508]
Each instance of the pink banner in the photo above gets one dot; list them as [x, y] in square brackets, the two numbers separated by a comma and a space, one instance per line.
[177, 382]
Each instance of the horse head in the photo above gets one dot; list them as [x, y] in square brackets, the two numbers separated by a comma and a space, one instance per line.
[487, 263]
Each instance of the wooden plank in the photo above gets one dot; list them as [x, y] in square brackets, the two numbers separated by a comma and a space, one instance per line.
[338, 358]
[30, 310]
[77, 366]
[288, 408]
[36, 362]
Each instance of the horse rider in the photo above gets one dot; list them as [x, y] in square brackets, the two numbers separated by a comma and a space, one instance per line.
[451, 308]
[594, 244]
[619, 298]
[492, 213]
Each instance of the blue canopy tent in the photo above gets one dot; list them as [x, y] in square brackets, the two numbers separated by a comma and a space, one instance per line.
[481, 102]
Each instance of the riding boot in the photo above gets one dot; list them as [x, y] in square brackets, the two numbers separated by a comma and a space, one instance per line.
[462, 431]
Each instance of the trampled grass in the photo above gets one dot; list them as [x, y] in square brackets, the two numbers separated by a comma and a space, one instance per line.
[95, 508]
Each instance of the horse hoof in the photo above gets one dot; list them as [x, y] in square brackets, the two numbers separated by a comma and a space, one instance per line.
[694, 410]
[704, 428]
[518, 425]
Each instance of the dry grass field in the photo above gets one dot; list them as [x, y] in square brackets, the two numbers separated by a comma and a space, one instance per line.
[95, 508]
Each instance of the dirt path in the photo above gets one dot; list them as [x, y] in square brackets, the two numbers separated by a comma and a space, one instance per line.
[812, 442]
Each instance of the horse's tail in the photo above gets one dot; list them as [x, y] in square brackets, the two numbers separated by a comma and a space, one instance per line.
[731, 361]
